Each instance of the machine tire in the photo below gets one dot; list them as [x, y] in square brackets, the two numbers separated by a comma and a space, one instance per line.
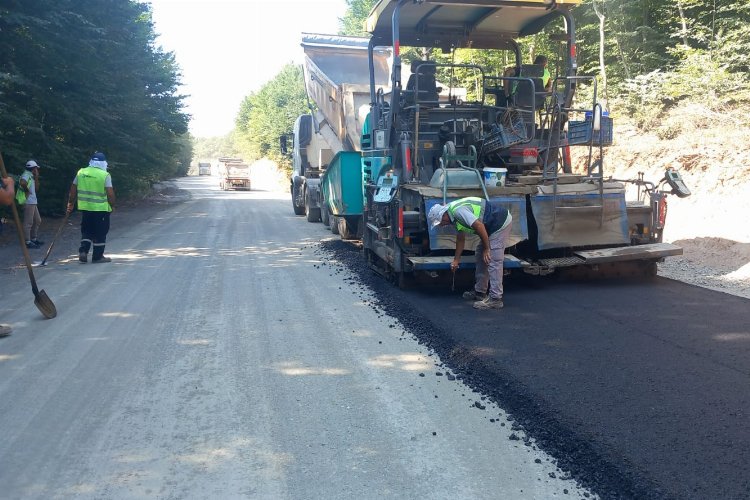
[334, 224]
[325, 216]
[312, 213]
[297, 210]
[344, 228]
[348, 227]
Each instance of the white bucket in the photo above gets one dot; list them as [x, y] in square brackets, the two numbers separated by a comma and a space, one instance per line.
[494, 177]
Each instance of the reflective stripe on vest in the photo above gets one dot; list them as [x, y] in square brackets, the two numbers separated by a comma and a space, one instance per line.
[92, 195]
[472, 202]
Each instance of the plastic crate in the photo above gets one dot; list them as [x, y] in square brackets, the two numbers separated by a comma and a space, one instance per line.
[579, 132]
[502, 137]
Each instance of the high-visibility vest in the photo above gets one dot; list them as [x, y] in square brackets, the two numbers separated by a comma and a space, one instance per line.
[20, 193]
[492, 216]
[92, 195]
[472, 202]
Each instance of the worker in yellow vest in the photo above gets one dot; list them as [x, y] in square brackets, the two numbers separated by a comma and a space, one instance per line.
[92, 187]
[490, 221]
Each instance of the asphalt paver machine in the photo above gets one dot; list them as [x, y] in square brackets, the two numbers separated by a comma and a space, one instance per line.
[419, 150]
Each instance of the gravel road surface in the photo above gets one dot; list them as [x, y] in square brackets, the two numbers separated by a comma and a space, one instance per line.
[222, 355]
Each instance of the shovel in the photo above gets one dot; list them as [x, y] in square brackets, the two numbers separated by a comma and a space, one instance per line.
[41, 301]
[57, 235]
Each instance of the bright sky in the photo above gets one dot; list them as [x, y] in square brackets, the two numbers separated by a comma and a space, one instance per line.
[230, 48]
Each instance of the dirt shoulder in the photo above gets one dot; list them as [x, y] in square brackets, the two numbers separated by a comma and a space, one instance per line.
[127, 214]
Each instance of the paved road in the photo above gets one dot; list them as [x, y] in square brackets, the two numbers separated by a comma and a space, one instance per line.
[640, 390]
[221, 356]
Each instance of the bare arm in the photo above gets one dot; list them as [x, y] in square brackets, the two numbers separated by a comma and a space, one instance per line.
[460, 242]
[111, 197]
[478, 226]
[8, 192]
[72, 197]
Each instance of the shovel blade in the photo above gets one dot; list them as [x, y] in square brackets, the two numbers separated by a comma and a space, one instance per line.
[45, 305]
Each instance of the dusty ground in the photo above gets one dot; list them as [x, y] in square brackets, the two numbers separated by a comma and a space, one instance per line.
[264, 176]
[66, 246]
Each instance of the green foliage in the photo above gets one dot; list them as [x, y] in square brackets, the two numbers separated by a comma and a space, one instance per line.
[76, 77]
[353, 22]
[269, 113]
[205, 148]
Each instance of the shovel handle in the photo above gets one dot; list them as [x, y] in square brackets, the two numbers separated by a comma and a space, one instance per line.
[57, 235]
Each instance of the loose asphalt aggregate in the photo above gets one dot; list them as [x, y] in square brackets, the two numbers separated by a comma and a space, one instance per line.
[638, 388]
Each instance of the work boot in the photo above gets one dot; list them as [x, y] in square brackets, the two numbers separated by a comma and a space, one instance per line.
[474, 295]
[489, 303]
[31, 245]
[38, 242]
[100, 260]
[5, 330]
[83, 257]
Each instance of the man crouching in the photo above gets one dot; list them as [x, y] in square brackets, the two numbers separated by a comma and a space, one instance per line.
[492, 223]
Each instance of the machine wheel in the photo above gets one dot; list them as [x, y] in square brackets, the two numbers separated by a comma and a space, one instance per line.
[334, 224]
[313, 213]
[297, 210]
[347, 228]
[325, 216]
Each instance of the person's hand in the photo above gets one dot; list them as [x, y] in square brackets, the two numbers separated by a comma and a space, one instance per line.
[7, 182]
[454, 265]
[486, 256]
[35, 173]
[69, 209]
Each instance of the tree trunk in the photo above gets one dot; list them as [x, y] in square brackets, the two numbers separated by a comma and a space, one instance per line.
[602, 68]
[683, 22]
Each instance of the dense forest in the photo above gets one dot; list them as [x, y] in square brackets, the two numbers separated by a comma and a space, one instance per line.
[78, 77]
[648, 56]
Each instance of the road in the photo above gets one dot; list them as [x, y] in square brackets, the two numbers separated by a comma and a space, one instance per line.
[223, 355]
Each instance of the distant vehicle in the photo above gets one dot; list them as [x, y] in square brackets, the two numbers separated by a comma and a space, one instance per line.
[234, 173]
[204, 169]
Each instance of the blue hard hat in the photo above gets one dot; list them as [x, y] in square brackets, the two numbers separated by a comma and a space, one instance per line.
[98, 157]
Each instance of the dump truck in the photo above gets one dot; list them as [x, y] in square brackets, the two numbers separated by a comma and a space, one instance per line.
[510, 144]
[234, 173]
[204, 168]
[337, 83]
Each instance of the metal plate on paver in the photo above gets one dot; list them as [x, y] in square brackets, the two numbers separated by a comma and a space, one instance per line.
[562, 261]
[467, 262]
[650, 251]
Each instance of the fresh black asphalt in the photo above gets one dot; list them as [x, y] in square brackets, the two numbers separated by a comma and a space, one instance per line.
[639, 389]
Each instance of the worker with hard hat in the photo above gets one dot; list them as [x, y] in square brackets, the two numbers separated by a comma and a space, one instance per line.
[492, 223]
[27, 197]
[92, 187]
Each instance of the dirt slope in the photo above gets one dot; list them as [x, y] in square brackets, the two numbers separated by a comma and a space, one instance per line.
[712, 152]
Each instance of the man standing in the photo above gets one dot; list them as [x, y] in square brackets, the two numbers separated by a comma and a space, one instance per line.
[7, 193]
[492, 223]
[29, 185]
[92, 187]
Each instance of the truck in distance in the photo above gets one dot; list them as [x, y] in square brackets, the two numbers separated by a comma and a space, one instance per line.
[234, 173]
[204, 168]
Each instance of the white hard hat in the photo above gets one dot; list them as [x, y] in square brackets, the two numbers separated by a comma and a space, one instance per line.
[436, 214]
[31, 164]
